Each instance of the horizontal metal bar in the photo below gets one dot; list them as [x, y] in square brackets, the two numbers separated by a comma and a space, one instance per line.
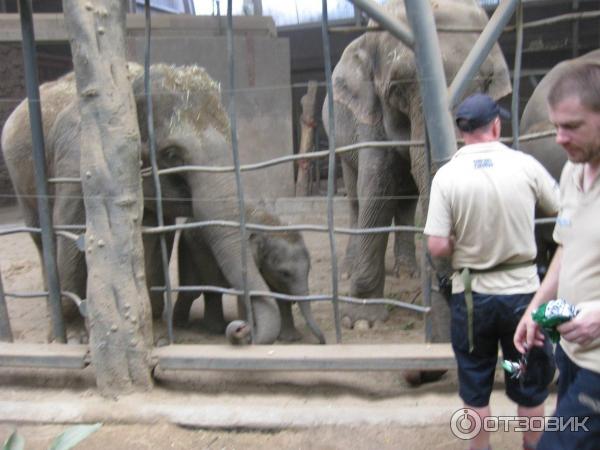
[298, 298]
[48, 356]
[64, 180]
[147, 171]
[557, 19]
[15, 230]
[306, 357]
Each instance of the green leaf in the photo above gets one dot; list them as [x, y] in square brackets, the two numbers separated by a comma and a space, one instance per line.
[14, 442]
[72, 436]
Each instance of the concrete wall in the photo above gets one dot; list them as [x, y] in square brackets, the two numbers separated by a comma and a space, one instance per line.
[264, 105]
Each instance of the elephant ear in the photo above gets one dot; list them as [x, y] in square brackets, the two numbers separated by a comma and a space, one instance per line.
[495, 75]
[353, 82]
[258, 245]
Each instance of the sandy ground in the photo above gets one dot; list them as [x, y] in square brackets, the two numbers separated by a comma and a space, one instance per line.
[20, 273]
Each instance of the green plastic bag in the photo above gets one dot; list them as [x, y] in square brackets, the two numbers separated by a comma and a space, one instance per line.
[552, 314]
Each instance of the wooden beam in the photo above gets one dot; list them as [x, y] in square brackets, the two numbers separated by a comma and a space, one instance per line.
[50, 356]
[306, 357]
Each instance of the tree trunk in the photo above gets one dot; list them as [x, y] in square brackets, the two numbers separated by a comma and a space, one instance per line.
[307, 127]
[119, 315]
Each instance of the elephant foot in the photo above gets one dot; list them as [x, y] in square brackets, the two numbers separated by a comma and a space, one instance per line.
[289, 335]
[416, 378]
[161, 341]
[363, 317]
[77, 337]
[409, 268]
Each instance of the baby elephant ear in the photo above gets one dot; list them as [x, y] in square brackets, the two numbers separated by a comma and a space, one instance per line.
[257, 244]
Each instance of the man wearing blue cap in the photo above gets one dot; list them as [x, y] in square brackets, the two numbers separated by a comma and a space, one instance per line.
[481, 215]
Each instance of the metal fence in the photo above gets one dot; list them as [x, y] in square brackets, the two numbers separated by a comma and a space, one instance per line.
[489, 36]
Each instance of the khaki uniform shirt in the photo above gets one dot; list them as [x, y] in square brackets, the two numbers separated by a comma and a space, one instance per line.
[485, 198]
[578, 231]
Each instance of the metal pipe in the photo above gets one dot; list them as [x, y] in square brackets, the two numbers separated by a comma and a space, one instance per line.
[39, 165]
[236, 163]
[5, 329]
[300, 298]
[168, 303]
[426, 268]
[575, 49]
[432, 80]
[378, 14]
[517, 76]
[331, 171]
[558, 19]
[480, 50]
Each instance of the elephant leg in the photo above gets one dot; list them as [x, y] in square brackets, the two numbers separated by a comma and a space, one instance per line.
[350, 177]
[155, 275]
[72, 270]
[197, 266]
[375, 190]
[288, 332]
[404, 242]
[214, 320]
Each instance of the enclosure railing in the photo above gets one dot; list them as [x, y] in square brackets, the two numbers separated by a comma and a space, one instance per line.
[67, 231]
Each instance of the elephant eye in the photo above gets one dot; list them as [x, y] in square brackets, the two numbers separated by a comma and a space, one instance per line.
[172, 156]
[285, 273]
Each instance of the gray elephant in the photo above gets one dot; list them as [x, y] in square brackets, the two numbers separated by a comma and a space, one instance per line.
[191, 128]
[546, 150]
[282, 259]
[376, 98]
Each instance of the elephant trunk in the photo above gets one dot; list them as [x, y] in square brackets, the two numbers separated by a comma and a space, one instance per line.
[225, 244]
[306, 310]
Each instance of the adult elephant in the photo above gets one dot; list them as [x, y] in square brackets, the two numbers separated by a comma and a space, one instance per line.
[546, 150]
[191, 128]
[376, 98]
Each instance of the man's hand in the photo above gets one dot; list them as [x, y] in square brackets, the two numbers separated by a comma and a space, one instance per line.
[583, 328]
[528, 334]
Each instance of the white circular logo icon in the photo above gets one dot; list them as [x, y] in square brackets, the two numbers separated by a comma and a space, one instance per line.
[465, 424]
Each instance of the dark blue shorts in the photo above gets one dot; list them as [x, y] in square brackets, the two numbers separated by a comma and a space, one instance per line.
[495, 318]
[578, 409]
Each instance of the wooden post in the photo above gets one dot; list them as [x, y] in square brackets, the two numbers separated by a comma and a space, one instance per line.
[307, 127]
[119, 316]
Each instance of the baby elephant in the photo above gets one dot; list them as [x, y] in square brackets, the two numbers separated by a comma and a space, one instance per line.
[281, 257]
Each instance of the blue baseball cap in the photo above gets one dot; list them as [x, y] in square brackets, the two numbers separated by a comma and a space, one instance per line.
[478, 110]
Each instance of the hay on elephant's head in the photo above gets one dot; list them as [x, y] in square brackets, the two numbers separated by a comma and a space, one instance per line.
[199, 98]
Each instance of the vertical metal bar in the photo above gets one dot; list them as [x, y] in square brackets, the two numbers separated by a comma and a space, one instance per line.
[5, 330]
[357, 16]
[168, 312]
[432, 80]
[331, 173]
[481, 49]
[517, 75]
[236, 162]
[575, 47]
[39, 165]
[426, 268]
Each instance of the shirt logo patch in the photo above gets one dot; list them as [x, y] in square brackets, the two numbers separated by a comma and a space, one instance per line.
[483, 163]
[563, 221]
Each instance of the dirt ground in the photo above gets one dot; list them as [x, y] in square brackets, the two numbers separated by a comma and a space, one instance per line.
[21, 272]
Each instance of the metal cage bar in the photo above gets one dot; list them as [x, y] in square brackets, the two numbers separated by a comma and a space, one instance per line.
[39, 161]
[238, 176]
[331, 171]
[168, 304]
